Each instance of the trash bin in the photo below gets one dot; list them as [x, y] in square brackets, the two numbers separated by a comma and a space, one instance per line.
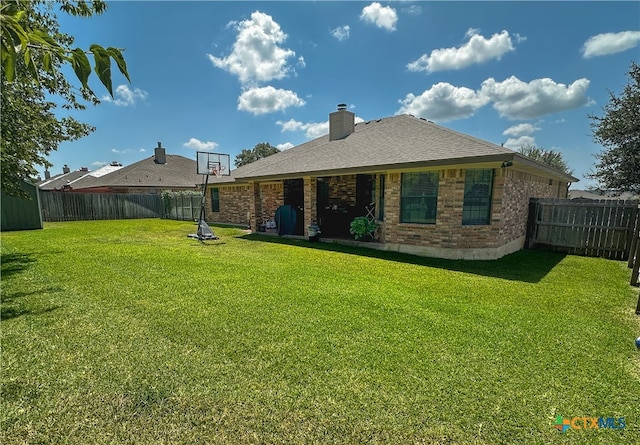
[314, 232]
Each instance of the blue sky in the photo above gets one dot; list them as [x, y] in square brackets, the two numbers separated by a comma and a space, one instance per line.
[224, 76]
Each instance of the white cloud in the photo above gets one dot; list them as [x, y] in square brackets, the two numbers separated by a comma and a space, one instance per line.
[99, 163]
[285, 146]
[516, 99]
[341, 32]
[267, 100]
[610, 43]
[256, 54]
[412, 10]
[312, 129]
[120, 152]
[142, 150]
[381, 16]
[123, 96]
[516, 143]
[443, 102]
[520, 129]
[477, 50]
[301, 62]
[197, 144]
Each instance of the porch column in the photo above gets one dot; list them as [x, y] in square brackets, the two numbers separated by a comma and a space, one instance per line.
[310, 202]
[255, 206]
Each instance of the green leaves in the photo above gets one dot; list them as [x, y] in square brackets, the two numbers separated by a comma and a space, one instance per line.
[102, 66]
[618, 131]
[81, 66]
[19, 39]
[116, 55]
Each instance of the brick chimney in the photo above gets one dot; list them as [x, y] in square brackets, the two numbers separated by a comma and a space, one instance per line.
[160, 154]
[341, 123]
[66, 169]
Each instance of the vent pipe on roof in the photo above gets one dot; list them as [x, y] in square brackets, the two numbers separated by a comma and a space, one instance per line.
[66, 169]
[160, 154]
[47, 174]
[341, 123]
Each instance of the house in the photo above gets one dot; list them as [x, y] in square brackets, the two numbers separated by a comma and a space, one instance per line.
[434, 191]
[159, 172]
[602, 194]
[61, 182]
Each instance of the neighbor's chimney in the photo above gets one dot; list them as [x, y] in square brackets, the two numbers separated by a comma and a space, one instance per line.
[47, 174]
[66, 169]
[341, 123]
[160, 154]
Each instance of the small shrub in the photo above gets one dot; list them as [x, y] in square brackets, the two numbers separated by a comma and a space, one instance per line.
[362, 226]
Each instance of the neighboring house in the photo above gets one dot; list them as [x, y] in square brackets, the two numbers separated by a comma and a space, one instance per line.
[434, 191]
[602, 194]
[151, 175]
[61, 182]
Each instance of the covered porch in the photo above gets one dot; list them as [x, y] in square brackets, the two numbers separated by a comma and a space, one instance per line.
[331, 202]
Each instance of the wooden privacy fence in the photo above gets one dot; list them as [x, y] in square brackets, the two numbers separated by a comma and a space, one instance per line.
[68, 206]
[182, 206]
[602, 228]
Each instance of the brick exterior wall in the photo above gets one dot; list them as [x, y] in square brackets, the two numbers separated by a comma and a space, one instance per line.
[509, 209]
[342, 190]
[234, 205]
[257, 203]
[518, 188]
[310, 202]
[271, 197]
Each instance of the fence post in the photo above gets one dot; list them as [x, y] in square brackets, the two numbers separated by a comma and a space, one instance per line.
[636, 264]
[635, 235]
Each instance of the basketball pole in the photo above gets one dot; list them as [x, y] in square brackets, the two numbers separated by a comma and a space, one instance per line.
[202, 208]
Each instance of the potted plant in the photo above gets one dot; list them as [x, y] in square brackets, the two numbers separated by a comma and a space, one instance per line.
[362, 226]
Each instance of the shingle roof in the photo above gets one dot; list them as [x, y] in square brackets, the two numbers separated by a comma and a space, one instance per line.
[177, 172]
[393, 142]
[58, 182]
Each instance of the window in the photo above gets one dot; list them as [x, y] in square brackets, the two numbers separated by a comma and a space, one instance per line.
[478, 185]
[419, 198]
[215, 200]
[381, 199]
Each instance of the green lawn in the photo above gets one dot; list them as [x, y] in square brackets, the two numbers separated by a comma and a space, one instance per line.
[128, 332]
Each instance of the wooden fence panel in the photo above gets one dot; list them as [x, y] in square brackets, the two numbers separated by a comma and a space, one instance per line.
[63, 206]
[601, 228]
[184, 207]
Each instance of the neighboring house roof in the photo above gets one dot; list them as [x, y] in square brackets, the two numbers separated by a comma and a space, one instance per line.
[397, 142]
[58, 182]
[176, 172]
[601, 194]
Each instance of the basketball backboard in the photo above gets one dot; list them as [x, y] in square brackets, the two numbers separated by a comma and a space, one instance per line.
[213, 163]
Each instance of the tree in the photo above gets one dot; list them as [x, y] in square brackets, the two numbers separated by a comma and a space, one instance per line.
[618, 131]
[26, 33]
[33, 53]
[261, 150]
[552, 158]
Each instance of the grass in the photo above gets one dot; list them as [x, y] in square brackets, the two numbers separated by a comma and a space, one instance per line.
[128, 332]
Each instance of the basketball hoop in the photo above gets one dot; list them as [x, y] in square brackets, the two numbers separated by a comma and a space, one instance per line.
[215, 168]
